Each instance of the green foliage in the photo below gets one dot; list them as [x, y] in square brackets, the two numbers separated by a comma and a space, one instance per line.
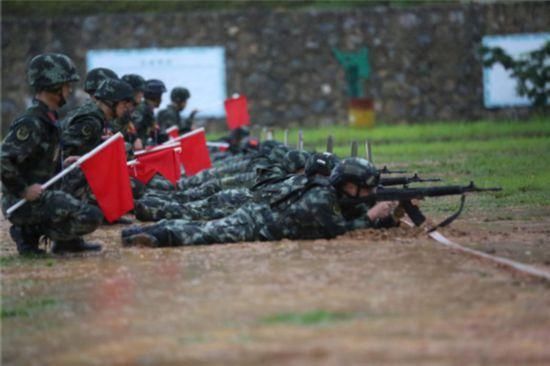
[87, 7]
[316, 317]
[532, 71]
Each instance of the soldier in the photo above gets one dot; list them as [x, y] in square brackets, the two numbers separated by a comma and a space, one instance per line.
[94, 77]
[31, 155]
[144, 114]
[88, 126]
[170, 116]
[306, 209]
[128, 128]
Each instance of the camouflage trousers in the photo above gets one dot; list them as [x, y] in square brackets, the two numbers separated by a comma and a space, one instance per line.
[245, 224]
[218, 205]
[55, 214]
[211, 187]
[161, 183]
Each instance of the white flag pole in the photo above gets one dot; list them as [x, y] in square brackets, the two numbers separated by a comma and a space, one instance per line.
[64, 172]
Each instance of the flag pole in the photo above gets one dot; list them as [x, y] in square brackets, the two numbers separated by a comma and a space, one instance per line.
[64, 172]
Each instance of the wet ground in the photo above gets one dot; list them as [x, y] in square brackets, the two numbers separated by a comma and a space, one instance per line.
[386, 297]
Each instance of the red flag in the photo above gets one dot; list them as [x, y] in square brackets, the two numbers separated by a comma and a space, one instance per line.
[194, 152]
[237, 112]
[165, 162]
[141, 172]
[173, 132]
[108, 178]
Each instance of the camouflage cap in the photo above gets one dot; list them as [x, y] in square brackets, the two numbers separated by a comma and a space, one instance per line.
[94, 77]
[358, 171]
[49, 69]
[135, 81]
[114, 90]
[179, 95]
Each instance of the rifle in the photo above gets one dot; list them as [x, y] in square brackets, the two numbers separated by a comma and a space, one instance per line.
[397, 181]
[406, 195]
[385, 170]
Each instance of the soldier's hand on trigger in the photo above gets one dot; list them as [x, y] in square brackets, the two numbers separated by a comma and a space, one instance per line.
[382, 210]
[33, 192]
[70, 160]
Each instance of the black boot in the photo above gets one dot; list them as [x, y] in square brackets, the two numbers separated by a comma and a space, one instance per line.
[74, 246]
[25, 240]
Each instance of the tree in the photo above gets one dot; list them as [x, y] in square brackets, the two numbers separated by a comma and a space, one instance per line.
[532, 71]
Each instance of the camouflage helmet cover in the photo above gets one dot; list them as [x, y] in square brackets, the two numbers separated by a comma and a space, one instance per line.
[321, 164]
[50, 69]
[154, 87]
[358, 171]
[114, 90]
[94, 77]
[295, 160]
[179, 95]
[136, 82]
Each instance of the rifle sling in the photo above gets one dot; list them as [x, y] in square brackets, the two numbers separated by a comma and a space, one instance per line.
[451, 218]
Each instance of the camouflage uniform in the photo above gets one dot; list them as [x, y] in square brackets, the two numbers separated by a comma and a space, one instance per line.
[305, 209]
[82, 130]
[144, 120]
[170, 116]
[31, 154]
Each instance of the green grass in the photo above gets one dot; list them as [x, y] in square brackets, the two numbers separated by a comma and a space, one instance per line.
[28, 308]
[514, 155]
[316, 317]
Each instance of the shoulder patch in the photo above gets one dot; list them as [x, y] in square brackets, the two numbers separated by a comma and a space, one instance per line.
[86, 130]
[23, 133]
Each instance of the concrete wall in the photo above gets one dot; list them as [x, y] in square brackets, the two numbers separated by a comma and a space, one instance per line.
[424, 59]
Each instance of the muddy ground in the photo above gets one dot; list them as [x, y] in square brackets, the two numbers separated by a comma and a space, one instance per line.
[369, 297]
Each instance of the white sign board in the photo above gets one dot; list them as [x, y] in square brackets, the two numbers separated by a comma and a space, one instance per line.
[199, 69]
[499, 88]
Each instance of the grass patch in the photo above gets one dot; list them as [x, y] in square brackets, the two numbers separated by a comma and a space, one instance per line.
[16, 260]
[316, 317]
[508, 154]
[28, 308]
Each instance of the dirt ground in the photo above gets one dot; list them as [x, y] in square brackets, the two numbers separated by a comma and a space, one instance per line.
[370, 297]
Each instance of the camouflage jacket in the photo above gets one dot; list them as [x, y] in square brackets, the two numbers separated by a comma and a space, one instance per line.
[82, 129]
[31, 151]
[144, 120]
[171, 117]
[303, 208]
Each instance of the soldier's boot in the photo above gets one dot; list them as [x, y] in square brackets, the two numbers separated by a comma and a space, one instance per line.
[74, 246]
[25, 240]
[136, 236]
[141, 239]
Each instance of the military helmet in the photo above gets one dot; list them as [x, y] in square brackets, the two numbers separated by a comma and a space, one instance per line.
[321, 164]
[50, 69]
[94, 77]
[295, 160]
[154, 88]
[358, 171]
[114, 90]
[179, 95]
[136, 82]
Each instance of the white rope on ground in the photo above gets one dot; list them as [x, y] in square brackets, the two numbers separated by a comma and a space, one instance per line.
[504, 262]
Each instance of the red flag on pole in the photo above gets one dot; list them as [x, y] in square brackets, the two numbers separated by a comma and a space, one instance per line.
[165, 162]
[108, 178]
[173, 132]
[141, 172]
[194, 152]
[237, 112]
